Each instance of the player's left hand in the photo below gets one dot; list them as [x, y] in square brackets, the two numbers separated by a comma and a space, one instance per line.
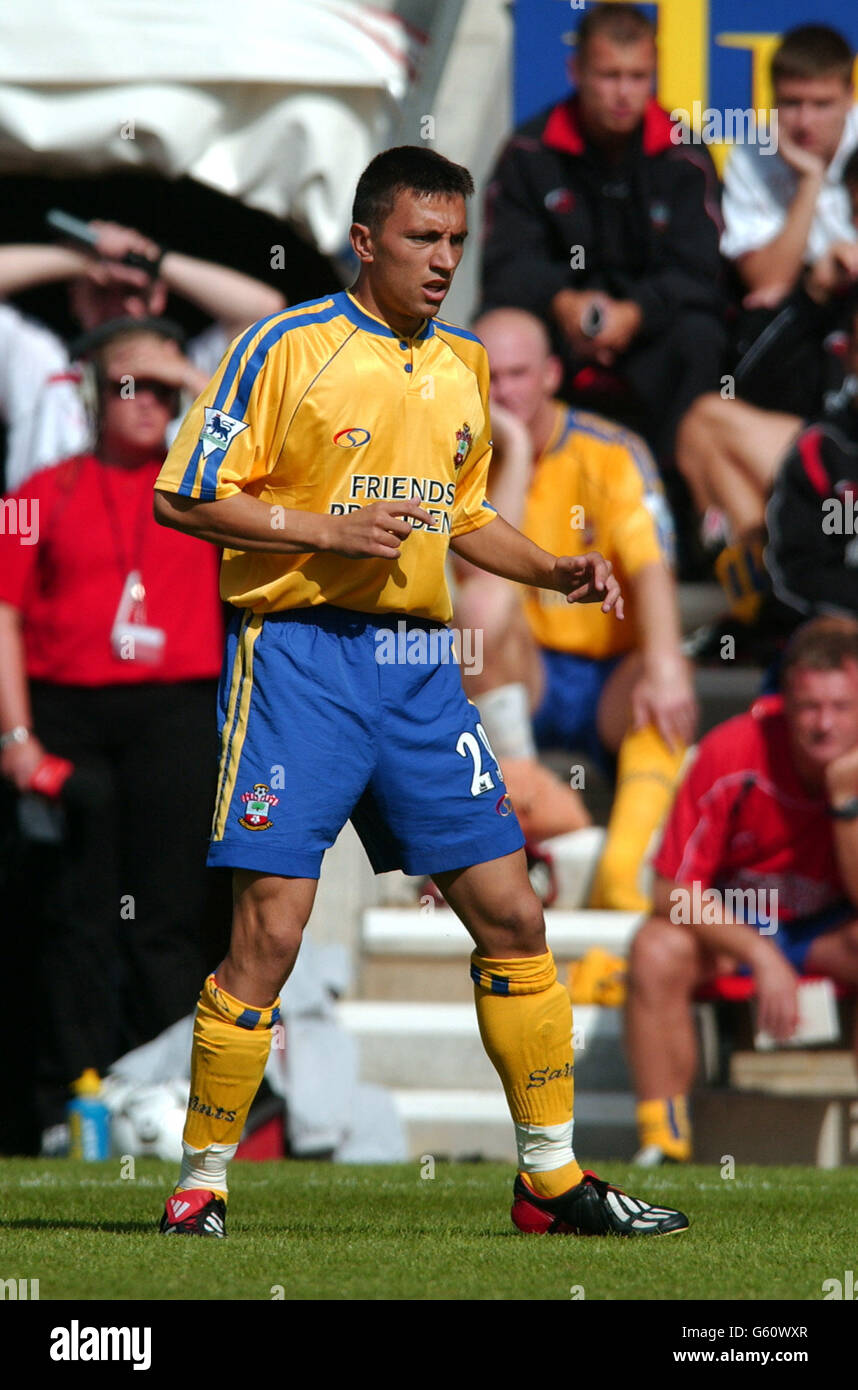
[588, 579]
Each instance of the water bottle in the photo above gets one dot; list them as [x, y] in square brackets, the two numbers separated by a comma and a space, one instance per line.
[89, 1119]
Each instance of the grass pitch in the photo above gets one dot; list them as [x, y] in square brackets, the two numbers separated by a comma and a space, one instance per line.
[316, 1231]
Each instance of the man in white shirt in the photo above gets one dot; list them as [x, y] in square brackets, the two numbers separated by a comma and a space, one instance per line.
[783, 211]
[791, 234]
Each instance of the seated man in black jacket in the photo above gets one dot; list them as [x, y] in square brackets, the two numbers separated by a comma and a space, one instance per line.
[606, 227]
[812, 517]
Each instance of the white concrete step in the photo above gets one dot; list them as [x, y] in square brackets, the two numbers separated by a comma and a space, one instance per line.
[423, 953]
[412, 1044]
[476, 1124]
[436, 931]
[700, 603]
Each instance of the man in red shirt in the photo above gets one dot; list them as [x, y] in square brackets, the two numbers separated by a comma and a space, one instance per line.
[110, 646]
[769, 807]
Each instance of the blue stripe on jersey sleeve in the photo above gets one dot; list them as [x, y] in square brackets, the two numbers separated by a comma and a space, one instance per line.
[281, 325]
[441, 326]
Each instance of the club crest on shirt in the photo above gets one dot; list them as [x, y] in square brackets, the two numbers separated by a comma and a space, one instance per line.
[464, 440]
[256, 806]
[219, 430]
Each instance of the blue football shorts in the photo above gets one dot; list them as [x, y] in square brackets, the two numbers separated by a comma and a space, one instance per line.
[794, 939]
[326, 715]
[566, 717]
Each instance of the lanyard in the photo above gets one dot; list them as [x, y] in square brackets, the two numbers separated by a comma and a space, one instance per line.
[132, 563]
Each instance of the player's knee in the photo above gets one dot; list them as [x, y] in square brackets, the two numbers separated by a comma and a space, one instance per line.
[662, 958]
[520, 925]
[268, 928]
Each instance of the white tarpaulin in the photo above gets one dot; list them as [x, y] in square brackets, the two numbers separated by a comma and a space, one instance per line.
[279, 103]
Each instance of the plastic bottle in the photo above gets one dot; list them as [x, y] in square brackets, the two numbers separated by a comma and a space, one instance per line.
[89, 1119]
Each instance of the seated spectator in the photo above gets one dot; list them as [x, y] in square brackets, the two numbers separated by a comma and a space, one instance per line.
[110, 647]
[729, 450]
[607, 229]
[607, 688]
[769, 805]
[784, 210]
[812, 516]
[39, 396]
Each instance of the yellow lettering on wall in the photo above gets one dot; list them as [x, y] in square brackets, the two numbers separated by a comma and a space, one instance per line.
[683, 53]
[761, 47]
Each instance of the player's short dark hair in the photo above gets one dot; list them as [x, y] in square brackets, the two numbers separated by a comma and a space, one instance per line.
[411, 168]
[812, 50]
[823, 644]
[622, 24]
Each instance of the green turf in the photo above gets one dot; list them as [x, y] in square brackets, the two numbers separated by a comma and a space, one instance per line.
[325, 1232]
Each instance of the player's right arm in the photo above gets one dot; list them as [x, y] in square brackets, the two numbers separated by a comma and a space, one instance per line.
[243, 522]
[222, 457]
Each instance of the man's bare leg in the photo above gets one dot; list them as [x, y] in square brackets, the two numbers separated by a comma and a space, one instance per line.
[836, 955]
[729, 452]
[268, 920]
[666, 964]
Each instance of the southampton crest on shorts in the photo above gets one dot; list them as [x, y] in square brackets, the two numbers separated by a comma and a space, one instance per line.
[256, 806]
[464, 440]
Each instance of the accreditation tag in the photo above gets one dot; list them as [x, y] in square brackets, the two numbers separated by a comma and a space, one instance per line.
[131, 637]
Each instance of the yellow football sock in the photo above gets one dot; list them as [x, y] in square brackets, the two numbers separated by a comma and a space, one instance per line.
[665, 1123]
[231, 1046]
[647, 773]
[525, 1019]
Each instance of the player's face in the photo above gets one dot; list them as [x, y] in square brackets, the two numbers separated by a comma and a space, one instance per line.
[614, 85]
[822, 713]
[521, 381]
[812, 112]
[414, 256]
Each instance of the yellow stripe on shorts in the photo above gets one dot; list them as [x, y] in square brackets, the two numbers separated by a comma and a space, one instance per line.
[235, 724]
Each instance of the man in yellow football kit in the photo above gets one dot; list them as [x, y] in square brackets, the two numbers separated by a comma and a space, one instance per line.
[340, 450]
[608, 690]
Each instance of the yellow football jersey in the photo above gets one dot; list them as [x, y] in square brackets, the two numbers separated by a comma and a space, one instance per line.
[323, 408]
[595, 487]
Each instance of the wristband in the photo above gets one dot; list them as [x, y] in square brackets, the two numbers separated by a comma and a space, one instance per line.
[848, 810]
[138, 262]
[20, 734]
